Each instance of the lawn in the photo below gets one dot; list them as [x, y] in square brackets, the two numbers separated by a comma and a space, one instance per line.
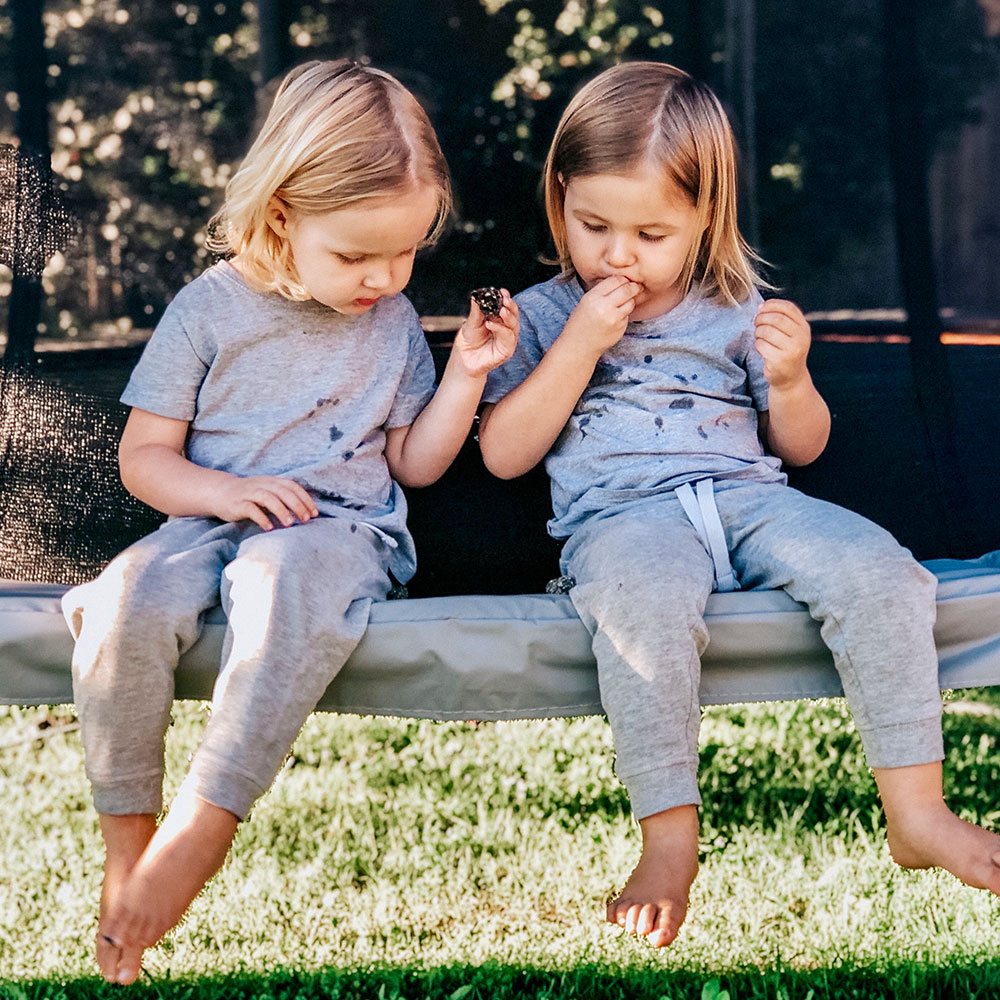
[398, 858]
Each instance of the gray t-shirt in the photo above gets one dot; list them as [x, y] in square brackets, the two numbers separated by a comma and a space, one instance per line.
[674, 401]
[280, 388]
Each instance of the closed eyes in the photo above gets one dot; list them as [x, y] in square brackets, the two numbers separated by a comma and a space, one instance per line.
[645, 237]
[348, 259]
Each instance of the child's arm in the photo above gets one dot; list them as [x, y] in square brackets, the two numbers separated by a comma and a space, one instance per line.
[154, 469]
[419, 453]
[516, 433]
[796, 425]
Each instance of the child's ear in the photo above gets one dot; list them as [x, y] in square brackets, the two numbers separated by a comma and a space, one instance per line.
[276, 215]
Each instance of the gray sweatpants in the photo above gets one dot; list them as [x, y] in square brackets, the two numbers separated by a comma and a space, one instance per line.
[643, 577]
[297, 601]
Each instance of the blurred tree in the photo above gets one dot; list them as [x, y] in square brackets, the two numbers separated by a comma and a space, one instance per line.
[152, 103]
[149, 106]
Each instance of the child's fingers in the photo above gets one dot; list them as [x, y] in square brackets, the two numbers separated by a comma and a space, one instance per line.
[299, 500]
[624, 295]
[251, 511]
[624, 287]
[772, 335]
[509, 310]
[288, 504]
[781, 307]
[259, 505]
[507, 319]
[781, 321]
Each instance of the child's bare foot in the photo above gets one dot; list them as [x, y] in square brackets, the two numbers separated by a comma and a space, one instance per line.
[125, 838]
[654, 902]
[185, 852]
[924, 833]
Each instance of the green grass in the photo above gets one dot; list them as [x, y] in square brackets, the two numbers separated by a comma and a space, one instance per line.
[398, 858]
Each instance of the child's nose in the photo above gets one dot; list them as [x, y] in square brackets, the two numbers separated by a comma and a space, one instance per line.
[378, 276]
[618, 252]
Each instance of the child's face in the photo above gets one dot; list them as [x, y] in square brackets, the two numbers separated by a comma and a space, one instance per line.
[635, 225]
[350, 258]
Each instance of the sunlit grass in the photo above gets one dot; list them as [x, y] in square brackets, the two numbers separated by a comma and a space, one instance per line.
[422, 857]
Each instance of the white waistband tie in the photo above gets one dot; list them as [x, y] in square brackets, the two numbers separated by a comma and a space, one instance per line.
[387, 538]
[704, 516]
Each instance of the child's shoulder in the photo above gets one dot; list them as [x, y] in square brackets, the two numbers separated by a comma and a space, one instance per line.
[215, 284]
[715, 311]
[555, 298]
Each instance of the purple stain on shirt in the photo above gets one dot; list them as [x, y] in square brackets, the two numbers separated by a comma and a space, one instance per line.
[605, 374]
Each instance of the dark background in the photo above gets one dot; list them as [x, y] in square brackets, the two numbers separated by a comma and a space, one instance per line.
[870, 135]
[150, 106]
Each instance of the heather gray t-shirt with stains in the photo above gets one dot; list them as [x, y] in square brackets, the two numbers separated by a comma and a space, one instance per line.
[279, 388]
[674, 401]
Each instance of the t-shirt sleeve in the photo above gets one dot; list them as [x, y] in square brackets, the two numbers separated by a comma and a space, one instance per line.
[416, 387]
[518, 366]
[169, 374]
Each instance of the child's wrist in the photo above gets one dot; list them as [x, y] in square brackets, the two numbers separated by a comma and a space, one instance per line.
[581, 345]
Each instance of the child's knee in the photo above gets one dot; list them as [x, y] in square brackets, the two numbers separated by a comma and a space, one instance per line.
[886, 577]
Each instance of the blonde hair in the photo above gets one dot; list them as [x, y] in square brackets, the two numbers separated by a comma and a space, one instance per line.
[644, 112]
[337, 134]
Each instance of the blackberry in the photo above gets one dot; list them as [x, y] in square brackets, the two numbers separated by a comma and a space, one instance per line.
[489, 300]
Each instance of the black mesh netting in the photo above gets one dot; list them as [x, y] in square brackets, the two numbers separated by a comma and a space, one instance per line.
[64, 513]
[34, 219]
[63, 510]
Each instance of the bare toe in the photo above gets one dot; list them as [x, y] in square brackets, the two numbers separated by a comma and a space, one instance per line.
[129, 965]
[646, 919]
[108, 955]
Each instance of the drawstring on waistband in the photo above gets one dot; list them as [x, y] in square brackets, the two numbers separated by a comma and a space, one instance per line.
[704, 516]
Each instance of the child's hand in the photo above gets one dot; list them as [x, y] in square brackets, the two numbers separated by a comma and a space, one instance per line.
[485, 342]
[257, 498]
[782, 337]
[601, 316]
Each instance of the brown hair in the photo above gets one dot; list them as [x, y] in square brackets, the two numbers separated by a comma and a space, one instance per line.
[646, 112]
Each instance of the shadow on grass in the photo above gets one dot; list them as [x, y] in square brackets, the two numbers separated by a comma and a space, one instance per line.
[500, 982]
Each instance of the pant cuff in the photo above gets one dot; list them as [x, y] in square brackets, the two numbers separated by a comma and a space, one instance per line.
[215, 782]
[904, 744]
[663, 788]
[127, 798]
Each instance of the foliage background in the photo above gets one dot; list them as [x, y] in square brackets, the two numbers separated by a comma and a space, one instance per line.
[152, 104]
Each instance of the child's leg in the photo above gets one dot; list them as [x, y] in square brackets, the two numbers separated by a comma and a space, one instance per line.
[125, 838]
[191, 844]
[297, 600]
[877, 608]
[924, 833]
[642, 579]
[131, 624]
